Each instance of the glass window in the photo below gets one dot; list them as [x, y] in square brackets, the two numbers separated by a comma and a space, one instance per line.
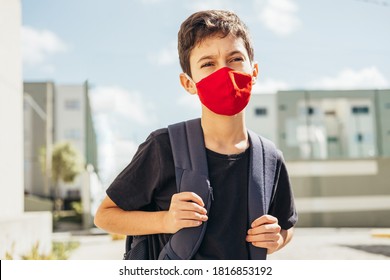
[359, 137]
[260, 111]
[330, 113]
[359, 110]
[73, 134]
[72, 104]
[333, 139]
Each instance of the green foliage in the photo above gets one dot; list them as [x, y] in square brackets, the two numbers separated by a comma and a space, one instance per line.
[8, 255]
[77, 207]
[60, 251]
[35, 255]
[67, 162]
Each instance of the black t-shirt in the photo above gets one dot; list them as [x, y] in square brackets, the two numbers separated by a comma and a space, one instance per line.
[148, 183]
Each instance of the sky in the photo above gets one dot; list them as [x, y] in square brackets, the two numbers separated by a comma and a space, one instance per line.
[127, 50]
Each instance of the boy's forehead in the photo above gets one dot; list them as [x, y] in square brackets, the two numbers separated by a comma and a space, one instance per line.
[215, 44]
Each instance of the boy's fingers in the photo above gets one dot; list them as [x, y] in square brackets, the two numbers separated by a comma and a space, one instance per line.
[266, 237]
[189, 196]
[264, 229]
[190, 215]
[191, 206]
[265, 219]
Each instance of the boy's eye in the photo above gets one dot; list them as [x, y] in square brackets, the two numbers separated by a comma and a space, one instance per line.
[236, 59]
[207, 64]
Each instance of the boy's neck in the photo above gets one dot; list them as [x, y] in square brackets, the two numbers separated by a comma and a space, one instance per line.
[225, 135]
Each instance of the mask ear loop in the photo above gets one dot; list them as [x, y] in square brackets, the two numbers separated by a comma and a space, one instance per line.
[189, 78]
[192, 81]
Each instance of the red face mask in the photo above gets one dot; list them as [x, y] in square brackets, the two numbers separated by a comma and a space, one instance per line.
[225, 92]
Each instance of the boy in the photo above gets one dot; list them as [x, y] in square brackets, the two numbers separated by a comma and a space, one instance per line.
[216, 57]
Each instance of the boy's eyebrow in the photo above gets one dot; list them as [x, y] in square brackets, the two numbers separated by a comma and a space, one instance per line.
[206, 57]
[213, 56]
[234, 53]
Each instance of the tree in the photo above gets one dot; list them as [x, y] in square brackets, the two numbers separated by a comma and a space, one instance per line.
[67, 163]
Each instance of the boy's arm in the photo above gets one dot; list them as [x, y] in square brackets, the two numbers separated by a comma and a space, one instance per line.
[186, 210]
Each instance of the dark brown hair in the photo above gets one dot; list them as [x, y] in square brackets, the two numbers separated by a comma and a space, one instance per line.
[202, 25]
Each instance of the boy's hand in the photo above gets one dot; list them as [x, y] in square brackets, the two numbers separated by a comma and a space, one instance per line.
[186, 210]
[265, 233]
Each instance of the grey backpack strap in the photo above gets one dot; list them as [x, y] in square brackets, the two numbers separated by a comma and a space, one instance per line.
[189, 155]
[272, 163]
[262, 173]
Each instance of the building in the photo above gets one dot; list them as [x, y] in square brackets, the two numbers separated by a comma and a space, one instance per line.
[38, 134]
[334, 124]
[56, 113]
[20, 231]
[261, 115]
[337, 148]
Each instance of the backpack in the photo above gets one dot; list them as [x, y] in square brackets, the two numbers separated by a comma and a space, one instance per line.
[191, 171]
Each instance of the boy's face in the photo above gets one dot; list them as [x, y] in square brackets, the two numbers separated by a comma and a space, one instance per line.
[214, 53]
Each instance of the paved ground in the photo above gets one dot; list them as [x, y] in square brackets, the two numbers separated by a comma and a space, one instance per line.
[307, 244]
[335, 244]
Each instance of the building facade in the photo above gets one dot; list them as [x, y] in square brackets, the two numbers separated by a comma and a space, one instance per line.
[67, 108]
[261, 115]
[337, 148]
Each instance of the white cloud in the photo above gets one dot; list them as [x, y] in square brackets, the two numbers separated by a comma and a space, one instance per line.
[366, 78]
[269, 86]
[106, 146]
[189, 101]
[114, 152]
[166, 56]
[37, 45]
[279, 16]
[115, 107]
[120, 102]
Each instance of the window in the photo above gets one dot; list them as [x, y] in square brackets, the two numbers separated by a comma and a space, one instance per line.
[73, 134]
[261, 111]
[333, 139]
[308, 110]
[359, 137]
[330, 113]
[72, 104]
[360, 110]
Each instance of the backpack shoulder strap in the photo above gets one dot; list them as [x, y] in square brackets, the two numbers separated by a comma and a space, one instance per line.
[189, 155]
[272, 163]
[188, 148]
[262, 173]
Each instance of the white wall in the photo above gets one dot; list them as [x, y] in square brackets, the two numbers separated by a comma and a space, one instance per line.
[18, 231]
[11, 110]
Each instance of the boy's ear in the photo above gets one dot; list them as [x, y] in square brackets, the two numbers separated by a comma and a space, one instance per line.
[188, 84]
[255, 72]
